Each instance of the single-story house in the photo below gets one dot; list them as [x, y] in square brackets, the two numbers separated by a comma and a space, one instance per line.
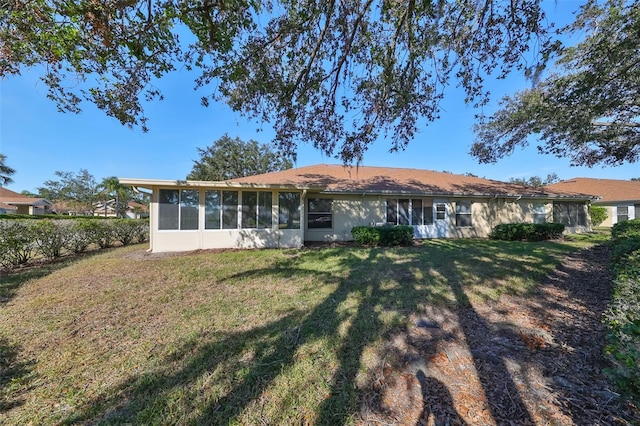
[621, 198]
[324, 202]
[14, 202]
[8, 209]
[132, 210]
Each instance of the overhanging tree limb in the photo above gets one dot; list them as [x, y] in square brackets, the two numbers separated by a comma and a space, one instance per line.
[589, 112]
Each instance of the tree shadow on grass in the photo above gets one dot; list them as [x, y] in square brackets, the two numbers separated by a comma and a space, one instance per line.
[14, 376]
[376, 291]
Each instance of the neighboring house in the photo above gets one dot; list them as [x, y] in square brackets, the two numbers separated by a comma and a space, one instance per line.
[324, 202]
[621, 198]
[133, 210]
[14, 202]
[8, 209]
[137, 210]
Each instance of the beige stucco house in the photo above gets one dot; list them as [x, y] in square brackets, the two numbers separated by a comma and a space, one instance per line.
[621, 198]
[15, 203]
[324, 202]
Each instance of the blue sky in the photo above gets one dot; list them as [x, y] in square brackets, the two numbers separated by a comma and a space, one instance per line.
[38, 140]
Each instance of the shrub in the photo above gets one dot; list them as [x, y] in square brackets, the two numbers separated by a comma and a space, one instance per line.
[622, 317]
[50, 237]
[626, 229]
[142, 230]
[598, 214]
[527, 231]
[101, 233]
[623, 321]
[16, 242]
[383, 235]
[124, 230]
[366, 235]
[80, 236]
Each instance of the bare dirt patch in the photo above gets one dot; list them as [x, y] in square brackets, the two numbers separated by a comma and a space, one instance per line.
[534, 359]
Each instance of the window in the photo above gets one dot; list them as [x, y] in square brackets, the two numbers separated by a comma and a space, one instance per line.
[319, 214]
[463, 213]
[539, 213]
[428, 214]
[569, 214]
[406, 211]
[249, 209]
[623, 213]
[229, 209]
[289, 210]
[256, 209]
[168, 209]
[178, 209]
[212, 209]
[416, 212]
[189, 207]
[441, 211]
[398, 211]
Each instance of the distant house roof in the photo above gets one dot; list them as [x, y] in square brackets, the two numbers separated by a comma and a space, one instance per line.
[338, 179]
[133, 205]
[5, 207]
[609, 190]
[17, 199]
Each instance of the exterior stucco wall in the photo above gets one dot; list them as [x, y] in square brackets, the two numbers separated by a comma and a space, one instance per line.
[350, 211]
[347, 211]
[612, 212]
[489, 212]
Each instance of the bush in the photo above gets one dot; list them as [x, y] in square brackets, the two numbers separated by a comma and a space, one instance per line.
[626, 229]
[622, 318]
[80, 236]
[598, 214]
[101, 233]
[16, 242]
[623, 321]
[125, 230]
[142, 230]
[400, 235]
[527, 231]
[50, 237]
[366, 235]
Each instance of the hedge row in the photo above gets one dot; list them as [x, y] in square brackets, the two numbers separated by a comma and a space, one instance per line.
[24, 240]
[622, 317]
[47, 216]
[527, 231]
[401, 235]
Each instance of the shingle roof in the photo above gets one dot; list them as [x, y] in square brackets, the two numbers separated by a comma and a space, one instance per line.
[610, 190]
[382, 180]
[7, 206]
[11, 197]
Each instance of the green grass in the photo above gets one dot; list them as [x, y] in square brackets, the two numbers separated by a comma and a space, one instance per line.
[233, 337]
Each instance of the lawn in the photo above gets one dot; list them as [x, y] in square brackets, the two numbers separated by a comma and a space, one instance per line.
[233, 337]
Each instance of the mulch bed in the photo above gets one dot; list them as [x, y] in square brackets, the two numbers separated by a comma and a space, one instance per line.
[521, 360]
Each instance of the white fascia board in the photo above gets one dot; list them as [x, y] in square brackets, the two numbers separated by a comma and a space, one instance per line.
[164, 183]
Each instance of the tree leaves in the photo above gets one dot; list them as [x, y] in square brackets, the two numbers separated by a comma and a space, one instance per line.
[230, 158]
[589, 111]
[336, 74]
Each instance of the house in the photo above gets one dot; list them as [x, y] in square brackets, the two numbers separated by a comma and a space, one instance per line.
[8, 209]
[324, 202]
[621, 198]
[14, 202]
[132, 210]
